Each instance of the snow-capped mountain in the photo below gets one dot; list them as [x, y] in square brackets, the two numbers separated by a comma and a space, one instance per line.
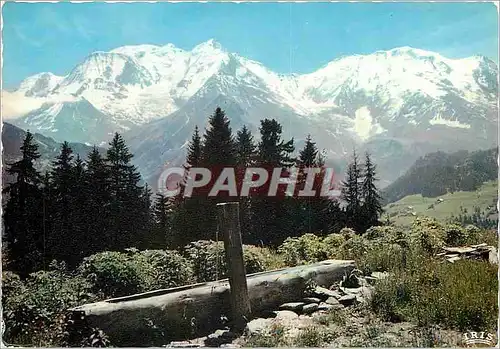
[398, 103]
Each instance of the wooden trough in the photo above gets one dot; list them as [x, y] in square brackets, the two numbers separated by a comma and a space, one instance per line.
[158, 317]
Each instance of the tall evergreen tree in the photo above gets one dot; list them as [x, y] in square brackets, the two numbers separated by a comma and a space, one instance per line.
[313, 214]
[186, 210]
[98, 201]
[78, 214]
[272, 216]
[372, 207]
[23, 218]
[62, 235]
[162, 221]
[351, 193]
[246, 152]
[126, 206]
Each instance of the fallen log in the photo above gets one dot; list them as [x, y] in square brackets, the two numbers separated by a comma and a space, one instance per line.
[159, 317]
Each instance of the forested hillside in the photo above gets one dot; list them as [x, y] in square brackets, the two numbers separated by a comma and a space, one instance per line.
[439, 173]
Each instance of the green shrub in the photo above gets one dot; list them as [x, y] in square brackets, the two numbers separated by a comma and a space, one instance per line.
[114, 274]
[162, 269]
[118, 274]
[307, 248]
[474, 234]
[332, 243]
[382, 257]
[455, 235]
[348, 233]
[310, 337]
[427, 234]
[354, 248]
[11, 283]
[34, 311]
[209, 261]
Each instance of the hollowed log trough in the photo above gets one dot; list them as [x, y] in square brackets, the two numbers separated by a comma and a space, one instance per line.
[158, 317]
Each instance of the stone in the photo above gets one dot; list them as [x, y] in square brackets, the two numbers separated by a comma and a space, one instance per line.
[258, 326]
[325, 306]
[332, 301]
[294, 306]
[348, 290]
[219, 337]
[347, 300]
[379, 275]
[310, 308]
[493, 256]
[286, 315]
[182, 344]
[326, 293]
[309, 300]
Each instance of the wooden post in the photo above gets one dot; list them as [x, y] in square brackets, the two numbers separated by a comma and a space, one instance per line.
[229, 225]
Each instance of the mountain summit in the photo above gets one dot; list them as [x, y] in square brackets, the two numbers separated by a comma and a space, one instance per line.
[396, 102]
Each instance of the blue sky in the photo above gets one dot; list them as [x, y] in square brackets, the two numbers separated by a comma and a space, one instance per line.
[286, 37]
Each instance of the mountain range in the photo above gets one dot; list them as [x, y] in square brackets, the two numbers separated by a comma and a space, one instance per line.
[399, 104]
[12, 140]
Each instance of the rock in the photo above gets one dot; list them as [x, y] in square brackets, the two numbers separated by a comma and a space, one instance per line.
[347, 300]
[332, 301]
[310, 308]
[325, 306]
[296, 306]
[493, 256]
[379, 275]
[325, 293]
[286, 315]
[220, 337]
[258, 326]
[183, 344]
[351, 281]
[308, 300]
[348, 290]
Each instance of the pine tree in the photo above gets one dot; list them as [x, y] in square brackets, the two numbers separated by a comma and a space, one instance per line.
[272, 217]
[62, 235]
[78, 214]
[23, 214]
[162, 221]
[127, 216]
[98, 201]
[185, 227]
[313, 213]
[372, 207]
[351, 193]
[194, 151]
[246, 152]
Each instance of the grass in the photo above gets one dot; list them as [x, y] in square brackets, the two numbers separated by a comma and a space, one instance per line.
[400, 213]
[460, 295]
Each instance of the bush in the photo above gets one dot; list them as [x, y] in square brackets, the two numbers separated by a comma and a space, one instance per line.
[209, 261]
[348, 233]
[455, 235]
[382, 257]
[114, 274]
[118, 274]
[354, 248]
[162, 269]
[35, 309]
[428, 235]
[332, 244]
[307, 248]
